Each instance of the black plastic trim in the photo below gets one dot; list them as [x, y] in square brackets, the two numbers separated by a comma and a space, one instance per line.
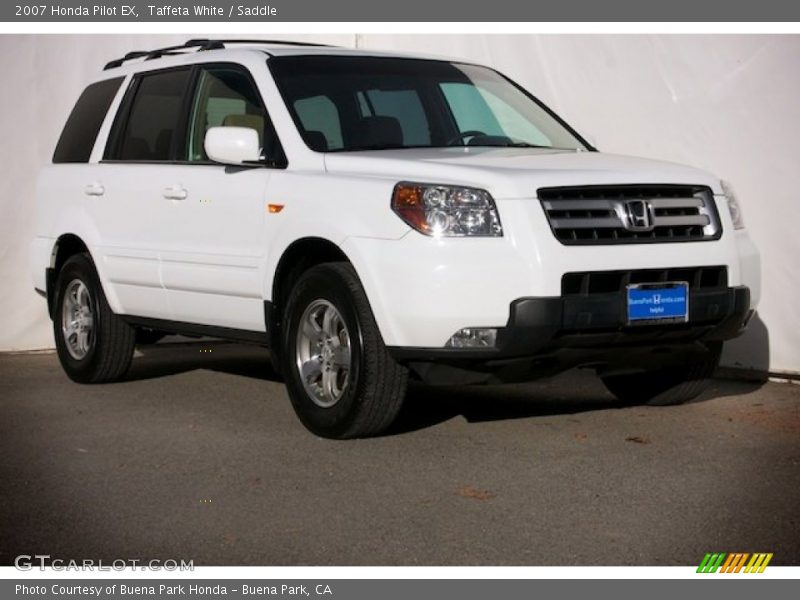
[196, 329]
[540, 326]
[50, 286]
[272, 324]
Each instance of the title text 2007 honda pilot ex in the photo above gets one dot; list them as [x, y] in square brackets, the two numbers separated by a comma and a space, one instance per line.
[372, 218]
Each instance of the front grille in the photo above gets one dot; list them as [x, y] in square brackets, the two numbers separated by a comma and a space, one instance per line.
[607, 282]
[631, 214]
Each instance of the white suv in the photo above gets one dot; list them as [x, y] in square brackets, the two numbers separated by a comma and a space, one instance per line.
[371, 218]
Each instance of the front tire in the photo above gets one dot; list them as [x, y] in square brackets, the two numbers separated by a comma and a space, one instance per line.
[94, 345]
[341, 379]
[667, 386]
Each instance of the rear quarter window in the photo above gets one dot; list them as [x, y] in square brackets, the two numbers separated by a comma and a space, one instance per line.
[84, 122]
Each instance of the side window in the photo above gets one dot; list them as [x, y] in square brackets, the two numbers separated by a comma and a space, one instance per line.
[225, 97]
[154, 118]
[320, 119]
[77, 140]
[476, 109]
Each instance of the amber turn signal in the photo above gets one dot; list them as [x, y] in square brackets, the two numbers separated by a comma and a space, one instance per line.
[408, 203]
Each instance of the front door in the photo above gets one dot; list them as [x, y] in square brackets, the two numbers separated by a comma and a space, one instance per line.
[216, 214]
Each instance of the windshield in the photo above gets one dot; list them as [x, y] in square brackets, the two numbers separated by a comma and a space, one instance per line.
[347, 103]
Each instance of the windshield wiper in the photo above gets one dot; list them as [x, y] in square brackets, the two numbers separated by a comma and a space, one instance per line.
[527, 145]
[377, 147]
[512, 144]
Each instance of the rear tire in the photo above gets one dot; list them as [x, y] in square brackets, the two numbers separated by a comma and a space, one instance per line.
[94, 345]
[666, 386]
[341, 379]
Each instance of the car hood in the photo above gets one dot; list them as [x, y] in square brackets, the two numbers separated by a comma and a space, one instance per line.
[513, 172]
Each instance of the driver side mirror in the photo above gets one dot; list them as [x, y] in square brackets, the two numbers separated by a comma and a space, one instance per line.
[232, 145]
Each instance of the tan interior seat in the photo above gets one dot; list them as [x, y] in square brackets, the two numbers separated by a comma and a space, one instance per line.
[252, 121]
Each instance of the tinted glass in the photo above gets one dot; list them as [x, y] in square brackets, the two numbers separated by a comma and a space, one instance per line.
[225, 97]
[84, 122]
[403, 105]
[375, 103]
[477, 109]
[321, 122]
[154, 118]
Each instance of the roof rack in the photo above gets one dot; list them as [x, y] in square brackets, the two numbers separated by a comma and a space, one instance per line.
[199, 45]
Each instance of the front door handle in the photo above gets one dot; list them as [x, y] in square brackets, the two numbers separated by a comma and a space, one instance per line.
[175, 192]
[94, 189]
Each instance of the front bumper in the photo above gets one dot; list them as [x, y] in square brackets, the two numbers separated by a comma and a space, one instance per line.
[546, 335]
[423, 289]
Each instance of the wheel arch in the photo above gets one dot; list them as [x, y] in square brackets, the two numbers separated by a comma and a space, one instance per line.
[67, 245]
[297, 257]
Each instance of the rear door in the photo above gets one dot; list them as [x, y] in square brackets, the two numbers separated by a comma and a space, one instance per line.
[130, 202]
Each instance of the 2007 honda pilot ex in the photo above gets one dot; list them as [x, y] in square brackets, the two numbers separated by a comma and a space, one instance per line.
[371, 218]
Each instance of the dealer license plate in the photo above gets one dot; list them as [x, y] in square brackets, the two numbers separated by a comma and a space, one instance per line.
[658, 303]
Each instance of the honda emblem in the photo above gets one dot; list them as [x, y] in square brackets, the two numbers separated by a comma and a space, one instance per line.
[638, 215]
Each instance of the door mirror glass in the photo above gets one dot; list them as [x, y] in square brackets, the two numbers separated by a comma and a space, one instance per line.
[232, 145]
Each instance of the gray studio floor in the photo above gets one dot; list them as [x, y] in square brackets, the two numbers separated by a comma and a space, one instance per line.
[200, 457]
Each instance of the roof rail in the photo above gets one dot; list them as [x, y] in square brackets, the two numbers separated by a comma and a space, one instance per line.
[199, 45]
[218, 44]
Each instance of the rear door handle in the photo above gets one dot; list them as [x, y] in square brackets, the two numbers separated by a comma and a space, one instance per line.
[175, 192]
[94, 189]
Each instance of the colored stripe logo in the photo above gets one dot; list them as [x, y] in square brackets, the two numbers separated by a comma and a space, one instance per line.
[734, 562]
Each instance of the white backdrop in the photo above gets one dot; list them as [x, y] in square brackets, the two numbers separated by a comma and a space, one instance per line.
[726, 103]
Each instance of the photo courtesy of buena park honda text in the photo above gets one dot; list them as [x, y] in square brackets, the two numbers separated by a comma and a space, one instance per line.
[429, 299]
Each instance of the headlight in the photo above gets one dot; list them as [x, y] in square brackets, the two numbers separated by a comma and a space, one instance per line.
[733, 205]
[447, 211]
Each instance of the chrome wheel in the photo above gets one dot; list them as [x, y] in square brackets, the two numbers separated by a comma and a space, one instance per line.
[323, 353]
[77, 319]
